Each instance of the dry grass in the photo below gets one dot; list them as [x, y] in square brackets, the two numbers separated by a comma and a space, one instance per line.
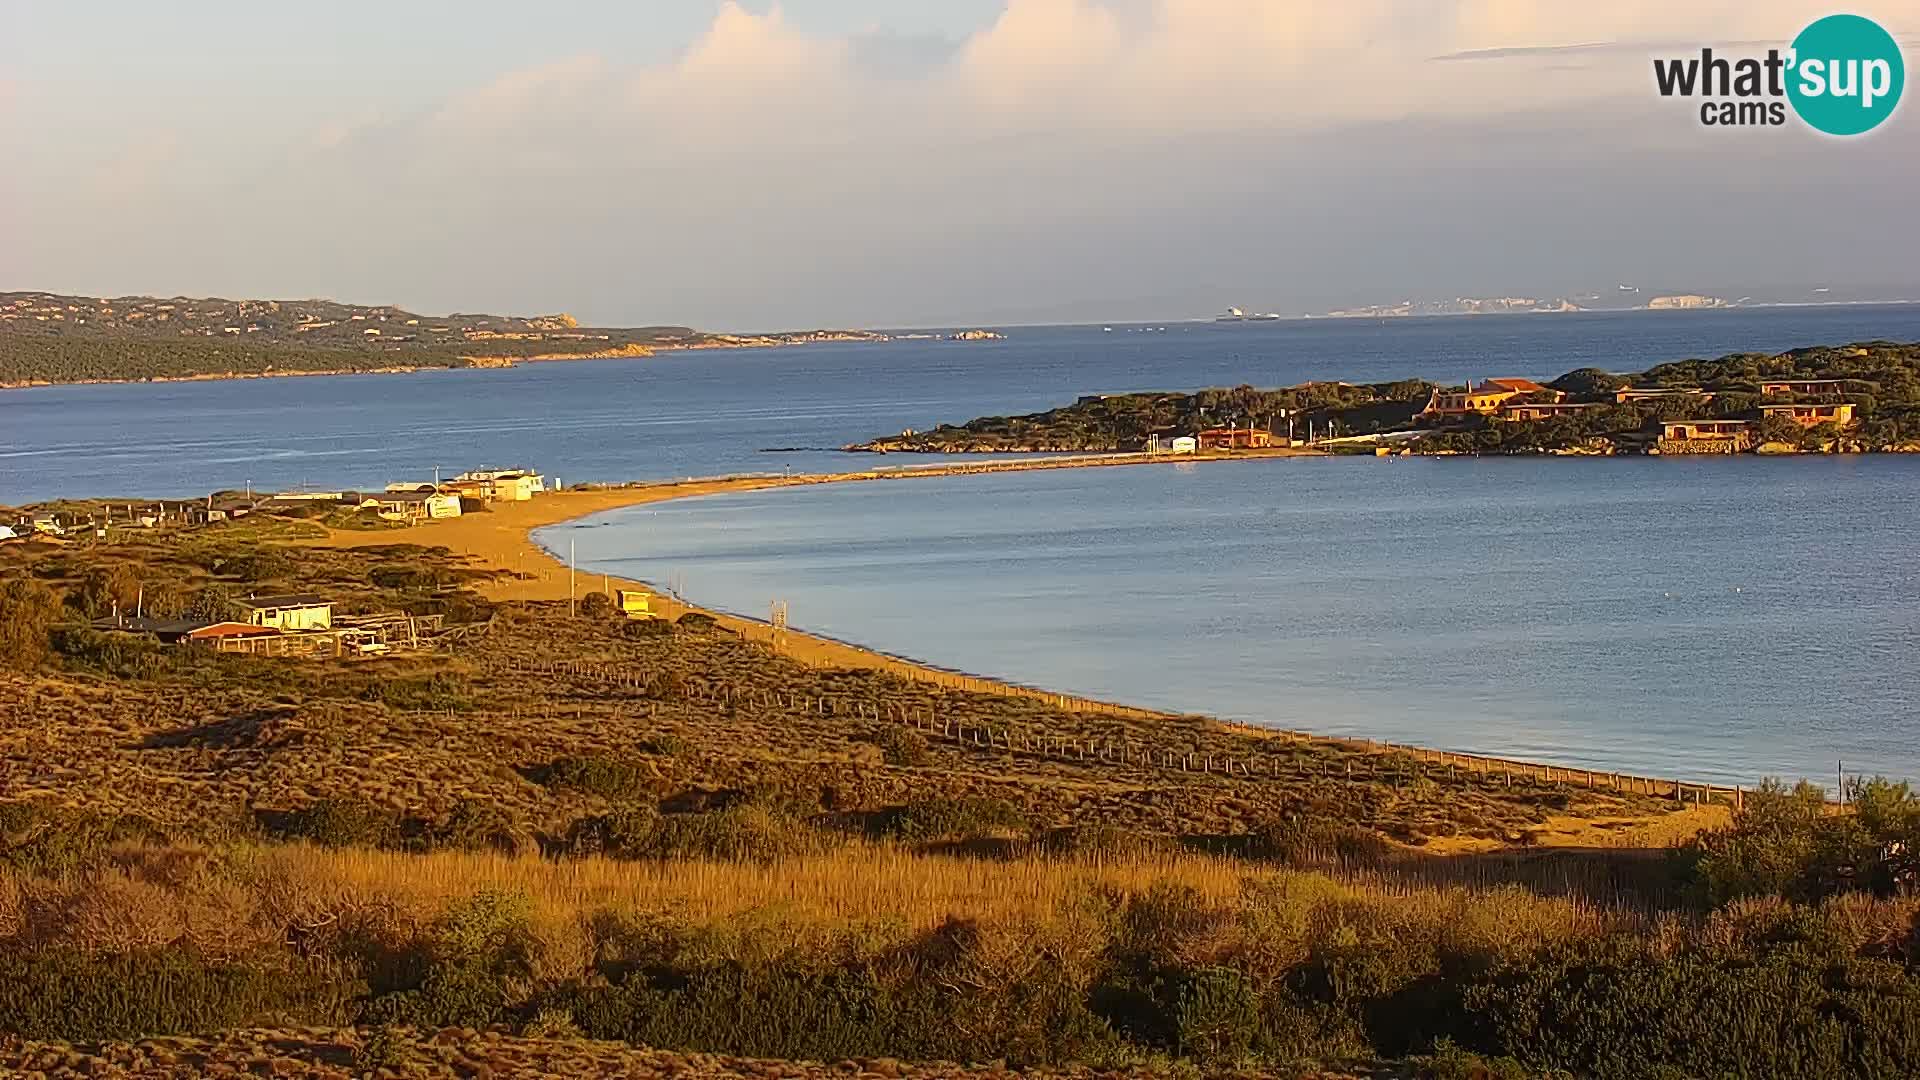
[340, 1054]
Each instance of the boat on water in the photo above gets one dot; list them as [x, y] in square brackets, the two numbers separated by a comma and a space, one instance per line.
[1234, 314]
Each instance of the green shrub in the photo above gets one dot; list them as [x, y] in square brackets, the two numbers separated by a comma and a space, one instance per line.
[903, 746]
[596, 774]
[42, 838]
[65, 995]
[437, 692]
[665, 744]
[1785, 843]
[1621, 1015]
[966, 818]
[337, 823]
[474, 965]
[28, 611]
[123, 656]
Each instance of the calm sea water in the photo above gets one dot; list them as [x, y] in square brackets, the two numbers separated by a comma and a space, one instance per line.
[1720, 620]
[713, 412]
[1723, 619]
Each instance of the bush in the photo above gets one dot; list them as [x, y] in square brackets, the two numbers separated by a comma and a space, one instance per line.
[647, 628]
[1784, 843]
[473, 965]
[214, 604]
[595, 774]
[903, 746]
[437, 692]
[596, 605]
[64, 995]
[1783, 1015]
[121, 655]
[969, 818]
[28, 611]
[337, 823]
[41, 838]
[698, 622]
[105, 589]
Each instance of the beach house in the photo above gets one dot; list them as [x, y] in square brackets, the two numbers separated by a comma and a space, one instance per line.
[1814, 387]
[289, 611]
[1810, 415]
[499, 485]
[1627, 394]
[1525, 410]
[1233, 438]
[418, 505]
[1704, 437]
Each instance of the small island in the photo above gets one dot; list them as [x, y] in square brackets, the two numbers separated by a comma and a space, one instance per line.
[1858, 398]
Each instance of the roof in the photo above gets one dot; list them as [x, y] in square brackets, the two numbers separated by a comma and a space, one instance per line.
[232, 629]
[285, 600]
[1694, 423]
[1518, 386]
[1790, 406]
[407, 496]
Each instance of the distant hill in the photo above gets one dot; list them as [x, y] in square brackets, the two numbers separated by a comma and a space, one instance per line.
[53, 338]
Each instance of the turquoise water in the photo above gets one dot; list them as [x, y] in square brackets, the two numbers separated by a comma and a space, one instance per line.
[1717, 619]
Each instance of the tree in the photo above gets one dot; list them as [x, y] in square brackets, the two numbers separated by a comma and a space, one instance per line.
[28, 611]
[1777, 429]
[104, 589]
[213, 604]
[596, 605]
[1589, 382]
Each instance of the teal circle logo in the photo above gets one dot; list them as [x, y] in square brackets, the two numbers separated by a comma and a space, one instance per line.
[1845, 75]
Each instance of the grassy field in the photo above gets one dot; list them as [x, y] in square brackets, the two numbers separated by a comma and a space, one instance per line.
[559, 832]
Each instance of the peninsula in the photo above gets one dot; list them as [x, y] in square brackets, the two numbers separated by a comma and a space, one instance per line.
[1863, 397]
[47, 339]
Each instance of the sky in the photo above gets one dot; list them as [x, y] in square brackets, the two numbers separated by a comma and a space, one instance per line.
[756, 165]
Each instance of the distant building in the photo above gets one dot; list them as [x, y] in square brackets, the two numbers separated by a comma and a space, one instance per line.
[1482, 400]
[1655, 393]
[1184, 444]
[1532, 389]
[1704, 436]
[633, 603]
[1810, 415]
[425, 505]
[291, 611]
[229, 636]
[1544, 410]
[1814, 387]
[1233, 438]
[500, 485]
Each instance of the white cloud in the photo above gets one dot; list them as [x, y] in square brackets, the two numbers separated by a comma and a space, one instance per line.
[766, 174]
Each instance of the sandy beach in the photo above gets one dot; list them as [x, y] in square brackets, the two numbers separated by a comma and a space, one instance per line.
[500, 538]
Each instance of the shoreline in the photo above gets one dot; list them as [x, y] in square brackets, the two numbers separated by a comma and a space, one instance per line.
[502, 539]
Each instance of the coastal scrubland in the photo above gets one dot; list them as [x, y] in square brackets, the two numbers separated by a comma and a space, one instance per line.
[1881, 381]
[48, 338]
[565, 841]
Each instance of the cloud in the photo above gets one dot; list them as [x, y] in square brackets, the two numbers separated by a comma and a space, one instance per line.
[767, 174]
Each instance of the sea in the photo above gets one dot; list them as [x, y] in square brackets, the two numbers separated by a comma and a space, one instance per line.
[1720, 620]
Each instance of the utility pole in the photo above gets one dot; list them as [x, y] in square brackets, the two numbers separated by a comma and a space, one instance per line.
[573, 607]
